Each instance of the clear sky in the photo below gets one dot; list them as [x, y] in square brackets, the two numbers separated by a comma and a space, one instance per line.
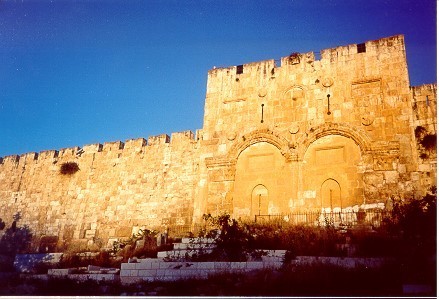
[79, 72]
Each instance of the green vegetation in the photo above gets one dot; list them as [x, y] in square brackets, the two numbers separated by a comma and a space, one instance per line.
[407, 236]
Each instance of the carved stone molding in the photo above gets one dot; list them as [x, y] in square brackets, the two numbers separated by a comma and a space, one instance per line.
[263, 135]
[360, 137]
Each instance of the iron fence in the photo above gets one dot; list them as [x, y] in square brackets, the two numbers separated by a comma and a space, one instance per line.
[320, 218]
[315, 218]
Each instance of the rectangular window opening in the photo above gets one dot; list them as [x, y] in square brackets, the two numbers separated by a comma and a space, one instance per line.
[361, 48]
[239, 69]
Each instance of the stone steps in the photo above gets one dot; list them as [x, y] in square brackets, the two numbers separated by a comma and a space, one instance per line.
[187, 247]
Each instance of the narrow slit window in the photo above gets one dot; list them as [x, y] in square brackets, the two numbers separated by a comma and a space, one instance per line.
[361, 48]
[239, 69]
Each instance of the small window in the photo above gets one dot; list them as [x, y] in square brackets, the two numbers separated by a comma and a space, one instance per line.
[239, 69]
[361, 48]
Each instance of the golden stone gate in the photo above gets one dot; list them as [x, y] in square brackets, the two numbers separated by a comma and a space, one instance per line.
[329, 134]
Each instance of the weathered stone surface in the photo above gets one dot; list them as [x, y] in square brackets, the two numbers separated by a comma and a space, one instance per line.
[334, 133]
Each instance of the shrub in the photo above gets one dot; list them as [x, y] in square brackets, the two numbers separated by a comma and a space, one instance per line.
[69, 168]
[232, 239]
[129, 248]
[429, 142]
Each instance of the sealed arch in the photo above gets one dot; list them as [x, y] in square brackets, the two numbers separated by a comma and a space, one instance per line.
[361, 138]
[331, 173]
[263, 181]
[262, 136]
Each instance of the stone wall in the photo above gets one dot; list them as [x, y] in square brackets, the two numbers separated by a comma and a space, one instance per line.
[345, 131]
[119, 188]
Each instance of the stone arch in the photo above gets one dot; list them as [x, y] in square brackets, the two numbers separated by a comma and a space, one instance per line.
[332, 169]
[360, 137]
[264, 135]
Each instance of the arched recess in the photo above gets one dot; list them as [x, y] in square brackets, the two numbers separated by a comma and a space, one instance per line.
[360, 137]
[330, 194]
[263, 135]
[263, 181]
[259, 200]
[331, 173]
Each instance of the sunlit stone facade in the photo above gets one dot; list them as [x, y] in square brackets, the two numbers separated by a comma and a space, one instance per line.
[304, 134]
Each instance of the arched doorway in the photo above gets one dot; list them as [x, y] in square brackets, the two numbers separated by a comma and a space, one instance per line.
[331, 176]
[259, 200]
[331, 194]
[263, 182]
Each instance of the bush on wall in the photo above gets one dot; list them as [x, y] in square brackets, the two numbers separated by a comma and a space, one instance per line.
[69, 168]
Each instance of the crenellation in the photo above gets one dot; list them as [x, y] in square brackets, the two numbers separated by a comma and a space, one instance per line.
[113, 146]
[271, 142]
[68, 152]
[179, 137]
[28, 158]
[135, 146]
[92, 148]
[49, 154]
[158, 140]
[11, 160]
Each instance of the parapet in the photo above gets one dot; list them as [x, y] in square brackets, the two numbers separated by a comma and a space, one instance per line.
[135, 143]
[68, 152]
[182, 136]
[424, 89]
[132, 145]
[92, 148]
[159, 139]
[51, 154]
[267, 67]
[370, 47]
[113, 146]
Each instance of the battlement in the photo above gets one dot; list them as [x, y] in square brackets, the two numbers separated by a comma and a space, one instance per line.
[341, 53]
[129, 146]
[305, 132]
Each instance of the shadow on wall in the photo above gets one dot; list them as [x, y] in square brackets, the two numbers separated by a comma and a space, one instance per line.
[15, 239]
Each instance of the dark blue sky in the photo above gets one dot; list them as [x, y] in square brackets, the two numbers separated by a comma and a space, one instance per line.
[80, 72]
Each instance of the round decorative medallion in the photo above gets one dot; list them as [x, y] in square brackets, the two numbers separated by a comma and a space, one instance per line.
[231, 136]
[327, 82]
[294, 129]
[262, 92]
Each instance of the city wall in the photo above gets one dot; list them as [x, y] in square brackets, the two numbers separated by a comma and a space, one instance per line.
[342, 132]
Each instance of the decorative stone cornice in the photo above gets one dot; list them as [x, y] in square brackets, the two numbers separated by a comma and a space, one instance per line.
[263, 135]
[360, 137]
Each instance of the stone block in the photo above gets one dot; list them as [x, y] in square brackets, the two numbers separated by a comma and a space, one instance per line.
[222, 265]
[59, 272]
[149, 272]
[205, 265]
[238, 265]
[125, 272]
[128, 266]
[254, 265]
[391, 176]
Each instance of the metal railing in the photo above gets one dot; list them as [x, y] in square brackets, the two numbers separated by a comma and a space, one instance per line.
[371, 217]
[337, 219]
